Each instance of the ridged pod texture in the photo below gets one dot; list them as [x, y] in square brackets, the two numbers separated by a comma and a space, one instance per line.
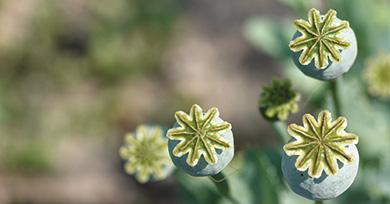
[200, 143]
[321, 160]
[324, 47]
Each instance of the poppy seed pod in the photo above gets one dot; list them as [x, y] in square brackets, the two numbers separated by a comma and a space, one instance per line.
[377, 76]
[146, 155]
[200, 143]
[278, 100]
[324, 47]
[321, 161]
[326, 186]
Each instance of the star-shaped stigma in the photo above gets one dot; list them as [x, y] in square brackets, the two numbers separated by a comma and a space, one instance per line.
[320, 144]
[146, 155]
[199, 134]
[278, 100]
[319, 39]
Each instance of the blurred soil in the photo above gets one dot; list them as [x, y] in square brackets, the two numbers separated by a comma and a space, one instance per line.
[208, 62]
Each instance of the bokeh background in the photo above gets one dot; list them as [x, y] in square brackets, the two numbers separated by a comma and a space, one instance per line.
[76, 75]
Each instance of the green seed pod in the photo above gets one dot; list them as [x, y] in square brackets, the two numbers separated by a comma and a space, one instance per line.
[146, 154]
[324, 47]
[200, 143]
[325, 187]
[321, 161]
[278, 100]
[377, 76]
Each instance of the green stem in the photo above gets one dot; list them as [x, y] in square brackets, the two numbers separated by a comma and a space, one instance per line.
[281, 130]
[335, 97]
[221, 182]
[319, 202]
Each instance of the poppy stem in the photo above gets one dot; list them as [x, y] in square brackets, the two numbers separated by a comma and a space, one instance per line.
[335, 97]
[220, 181]
[281, 130]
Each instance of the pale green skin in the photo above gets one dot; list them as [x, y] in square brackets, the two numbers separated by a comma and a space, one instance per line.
[334, 69]
[326, 187]
[202, 168]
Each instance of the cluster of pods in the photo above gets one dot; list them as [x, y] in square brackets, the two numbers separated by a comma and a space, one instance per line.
[320, 160]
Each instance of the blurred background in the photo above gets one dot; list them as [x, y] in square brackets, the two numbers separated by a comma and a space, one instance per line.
[76, 75]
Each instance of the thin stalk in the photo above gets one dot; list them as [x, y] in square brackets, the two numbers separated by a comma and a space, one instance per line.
[281, 131]
[221, 182]
[319, 202]
[335, 97]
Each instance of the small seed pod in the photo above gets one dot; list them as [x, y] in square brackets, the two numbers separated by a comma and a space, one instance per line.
[324, 47]
[321, 161]
[200, 143]
[377, 76]
[278, 100]
[146, 154]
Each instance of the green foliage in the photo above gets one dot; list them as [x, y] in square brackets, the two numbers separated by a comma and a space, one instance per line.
[196, 190]
[260, 176]
[221, 183]
[254, 179]
[268, 35]
[368, 119]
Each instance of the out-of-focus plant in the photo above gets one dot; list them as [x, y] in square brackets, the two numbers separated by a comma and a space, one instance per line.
[32, 158]
[146, 154]
[276, 103]
[69, 69]
[377, 76]
[130, 43]
[278, 100]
